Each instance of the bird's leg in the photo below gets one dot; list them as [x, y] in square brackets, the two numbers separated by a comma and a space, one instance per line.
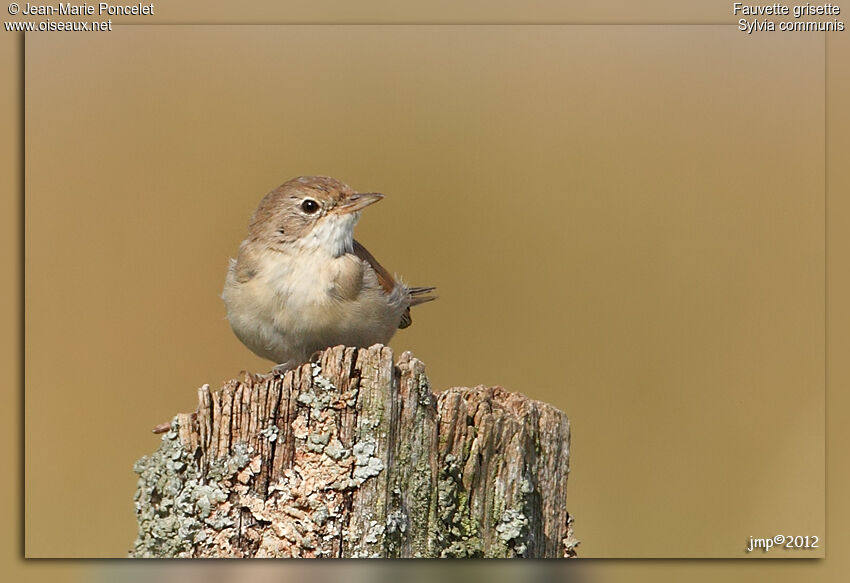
[285, 366]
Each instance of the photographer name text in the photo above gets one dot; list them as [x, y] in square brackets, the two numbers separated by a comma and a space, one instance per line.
[85, 9]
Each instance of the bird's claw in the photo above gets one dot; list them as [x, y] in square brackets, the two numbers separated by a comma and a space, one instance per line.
[284, 367]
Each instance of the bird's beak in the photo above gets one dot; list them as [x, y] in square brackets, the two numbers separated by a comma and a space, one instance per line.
[358, 201]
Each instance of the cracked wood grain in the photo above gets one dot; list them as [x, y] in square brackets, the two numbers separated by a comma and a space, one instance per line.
[354, 456]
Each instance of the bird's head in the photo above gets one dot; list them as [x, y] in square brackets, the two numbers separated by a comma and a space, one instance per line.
[310, 212]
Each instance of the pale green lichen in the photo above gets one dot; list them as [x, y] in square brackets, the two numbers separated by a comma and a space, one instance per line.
[396, 522]
[321, 393]
[320, 381]
[174, 500]
[366, 464]
[271, 433]
[375, 531]
[512, 529]
[335, 450]
[458, 536]
[317, 441]
[425, 396]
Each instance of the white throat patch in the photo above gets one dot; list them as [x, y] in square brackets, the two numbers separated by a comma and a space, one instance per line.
[333, 233]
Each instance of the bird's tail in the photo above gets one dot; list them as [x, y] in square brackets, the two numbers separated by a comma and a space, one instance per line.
[420, 295]
[416, 295]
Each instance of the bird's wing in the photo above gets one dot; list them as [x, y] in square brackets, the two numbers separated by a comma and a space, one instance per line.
[416, 295]
[386, 279]
[244, 267]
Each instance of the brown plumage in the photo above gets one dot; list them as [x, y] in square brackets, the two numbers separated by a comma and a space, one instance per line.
[418, 295]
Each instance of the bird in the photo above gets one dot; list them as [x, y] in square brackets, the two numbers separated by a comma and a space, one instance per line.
[301, 283]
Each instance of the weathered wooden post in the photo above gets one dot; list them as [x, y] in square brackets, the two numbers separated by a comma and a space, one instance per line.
[355, 457]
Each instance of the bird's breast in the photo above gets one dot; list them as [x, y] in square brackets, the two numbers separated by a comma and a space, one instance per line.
[304, 283]
[300, 303]
[307, 293]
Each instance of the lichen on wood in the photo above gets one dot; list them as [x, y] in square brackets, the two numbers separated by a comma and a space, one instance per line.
[354, 456]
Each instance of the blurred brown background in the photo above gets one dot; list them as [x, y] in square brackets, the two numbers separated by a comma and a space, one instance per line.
[661, 187]
[626, 222]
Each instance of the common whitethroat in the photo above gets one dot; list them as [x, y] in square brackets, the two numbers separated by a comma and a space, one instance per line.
[302, 283]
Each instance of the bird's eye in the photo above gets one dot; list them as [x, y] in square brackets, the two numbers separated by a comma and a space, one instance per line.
[309, 206]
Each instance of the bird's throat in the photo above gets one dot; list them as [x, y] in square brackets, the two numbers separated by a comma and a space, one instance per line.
[333, 234]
